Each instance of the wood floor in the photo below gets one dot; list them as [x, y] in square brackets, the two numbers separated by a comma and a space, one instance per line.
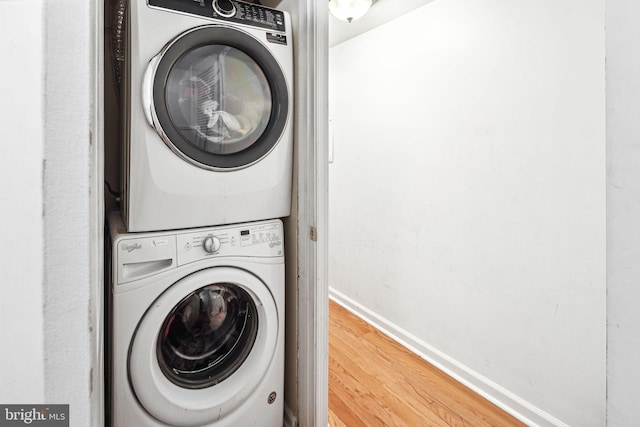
[373, 381]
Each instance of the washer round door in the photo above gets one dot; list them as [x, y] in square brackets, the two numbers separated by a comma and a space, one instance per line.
[203, 346]
[217, 97]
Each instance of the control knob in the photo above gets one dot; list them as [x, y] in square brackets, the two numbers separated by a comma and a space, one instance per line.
[211, 244]
[224, 8]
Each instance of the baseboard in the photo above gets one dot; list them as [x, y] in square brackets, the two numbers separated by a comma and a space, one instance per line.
[499, 396]
[290, 419]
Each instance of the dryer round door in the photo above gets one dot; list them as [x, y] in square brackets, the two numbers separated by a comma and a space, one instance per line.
[203, 346]
[217, 97]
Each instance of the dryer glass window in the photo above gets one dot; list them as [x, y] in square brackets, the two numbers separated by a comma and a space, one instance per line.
[207, 336]
[218, 99]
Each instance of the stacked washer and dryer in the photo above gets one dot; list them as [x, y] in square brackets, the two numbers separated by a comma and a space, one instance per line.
[196, 298]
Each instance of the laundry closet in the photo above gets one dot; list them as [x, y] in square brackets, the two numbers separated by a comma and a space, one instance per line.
[202, 244]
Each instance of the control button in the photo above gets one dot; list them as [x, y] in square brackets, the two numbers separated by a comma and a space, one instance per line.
[187, 247]
[211, 244]
[224, 8]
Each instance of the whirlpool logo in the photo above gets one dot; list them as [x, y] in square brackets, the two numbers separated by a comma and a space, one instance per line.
[36, 415]
[131, 247]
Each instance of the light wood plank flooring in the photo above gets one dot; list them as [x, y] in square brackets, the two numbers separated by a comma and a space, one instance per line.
[374, 381]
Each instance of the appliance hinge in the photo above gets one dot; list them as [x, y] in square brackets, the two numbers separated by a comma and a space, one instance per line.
[314, 234]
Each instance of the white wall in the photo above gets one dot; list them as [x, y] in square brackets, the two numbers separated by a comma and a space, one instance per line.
[69, 327]
[21, 224]
[46, 98]
[468, 195]
[623, 211]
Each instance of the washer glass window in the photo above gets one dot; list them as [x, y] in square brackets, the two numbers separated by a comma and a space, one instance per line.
[207, 336]
[218, 99]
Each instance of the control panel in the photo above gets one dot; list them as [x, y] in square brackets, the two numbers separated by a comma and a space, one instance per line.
[253, 240]
[229, 10]
[145, 255]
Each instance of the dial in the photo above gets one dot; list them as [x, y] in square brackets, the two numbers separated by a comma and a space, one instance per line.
[224, 8]
[211, 244]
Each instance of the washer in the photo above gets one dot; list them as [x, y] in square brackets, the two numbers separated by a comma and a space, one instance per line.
[207, 90]
[196, 326]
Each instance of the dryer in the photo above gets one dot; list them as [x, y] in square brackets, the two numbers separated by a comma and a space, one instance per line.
[207, 92]
[196, 326]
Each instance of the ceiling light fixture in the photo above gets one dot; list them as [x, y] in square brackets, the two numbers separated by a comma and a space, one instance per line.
[348, 10]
